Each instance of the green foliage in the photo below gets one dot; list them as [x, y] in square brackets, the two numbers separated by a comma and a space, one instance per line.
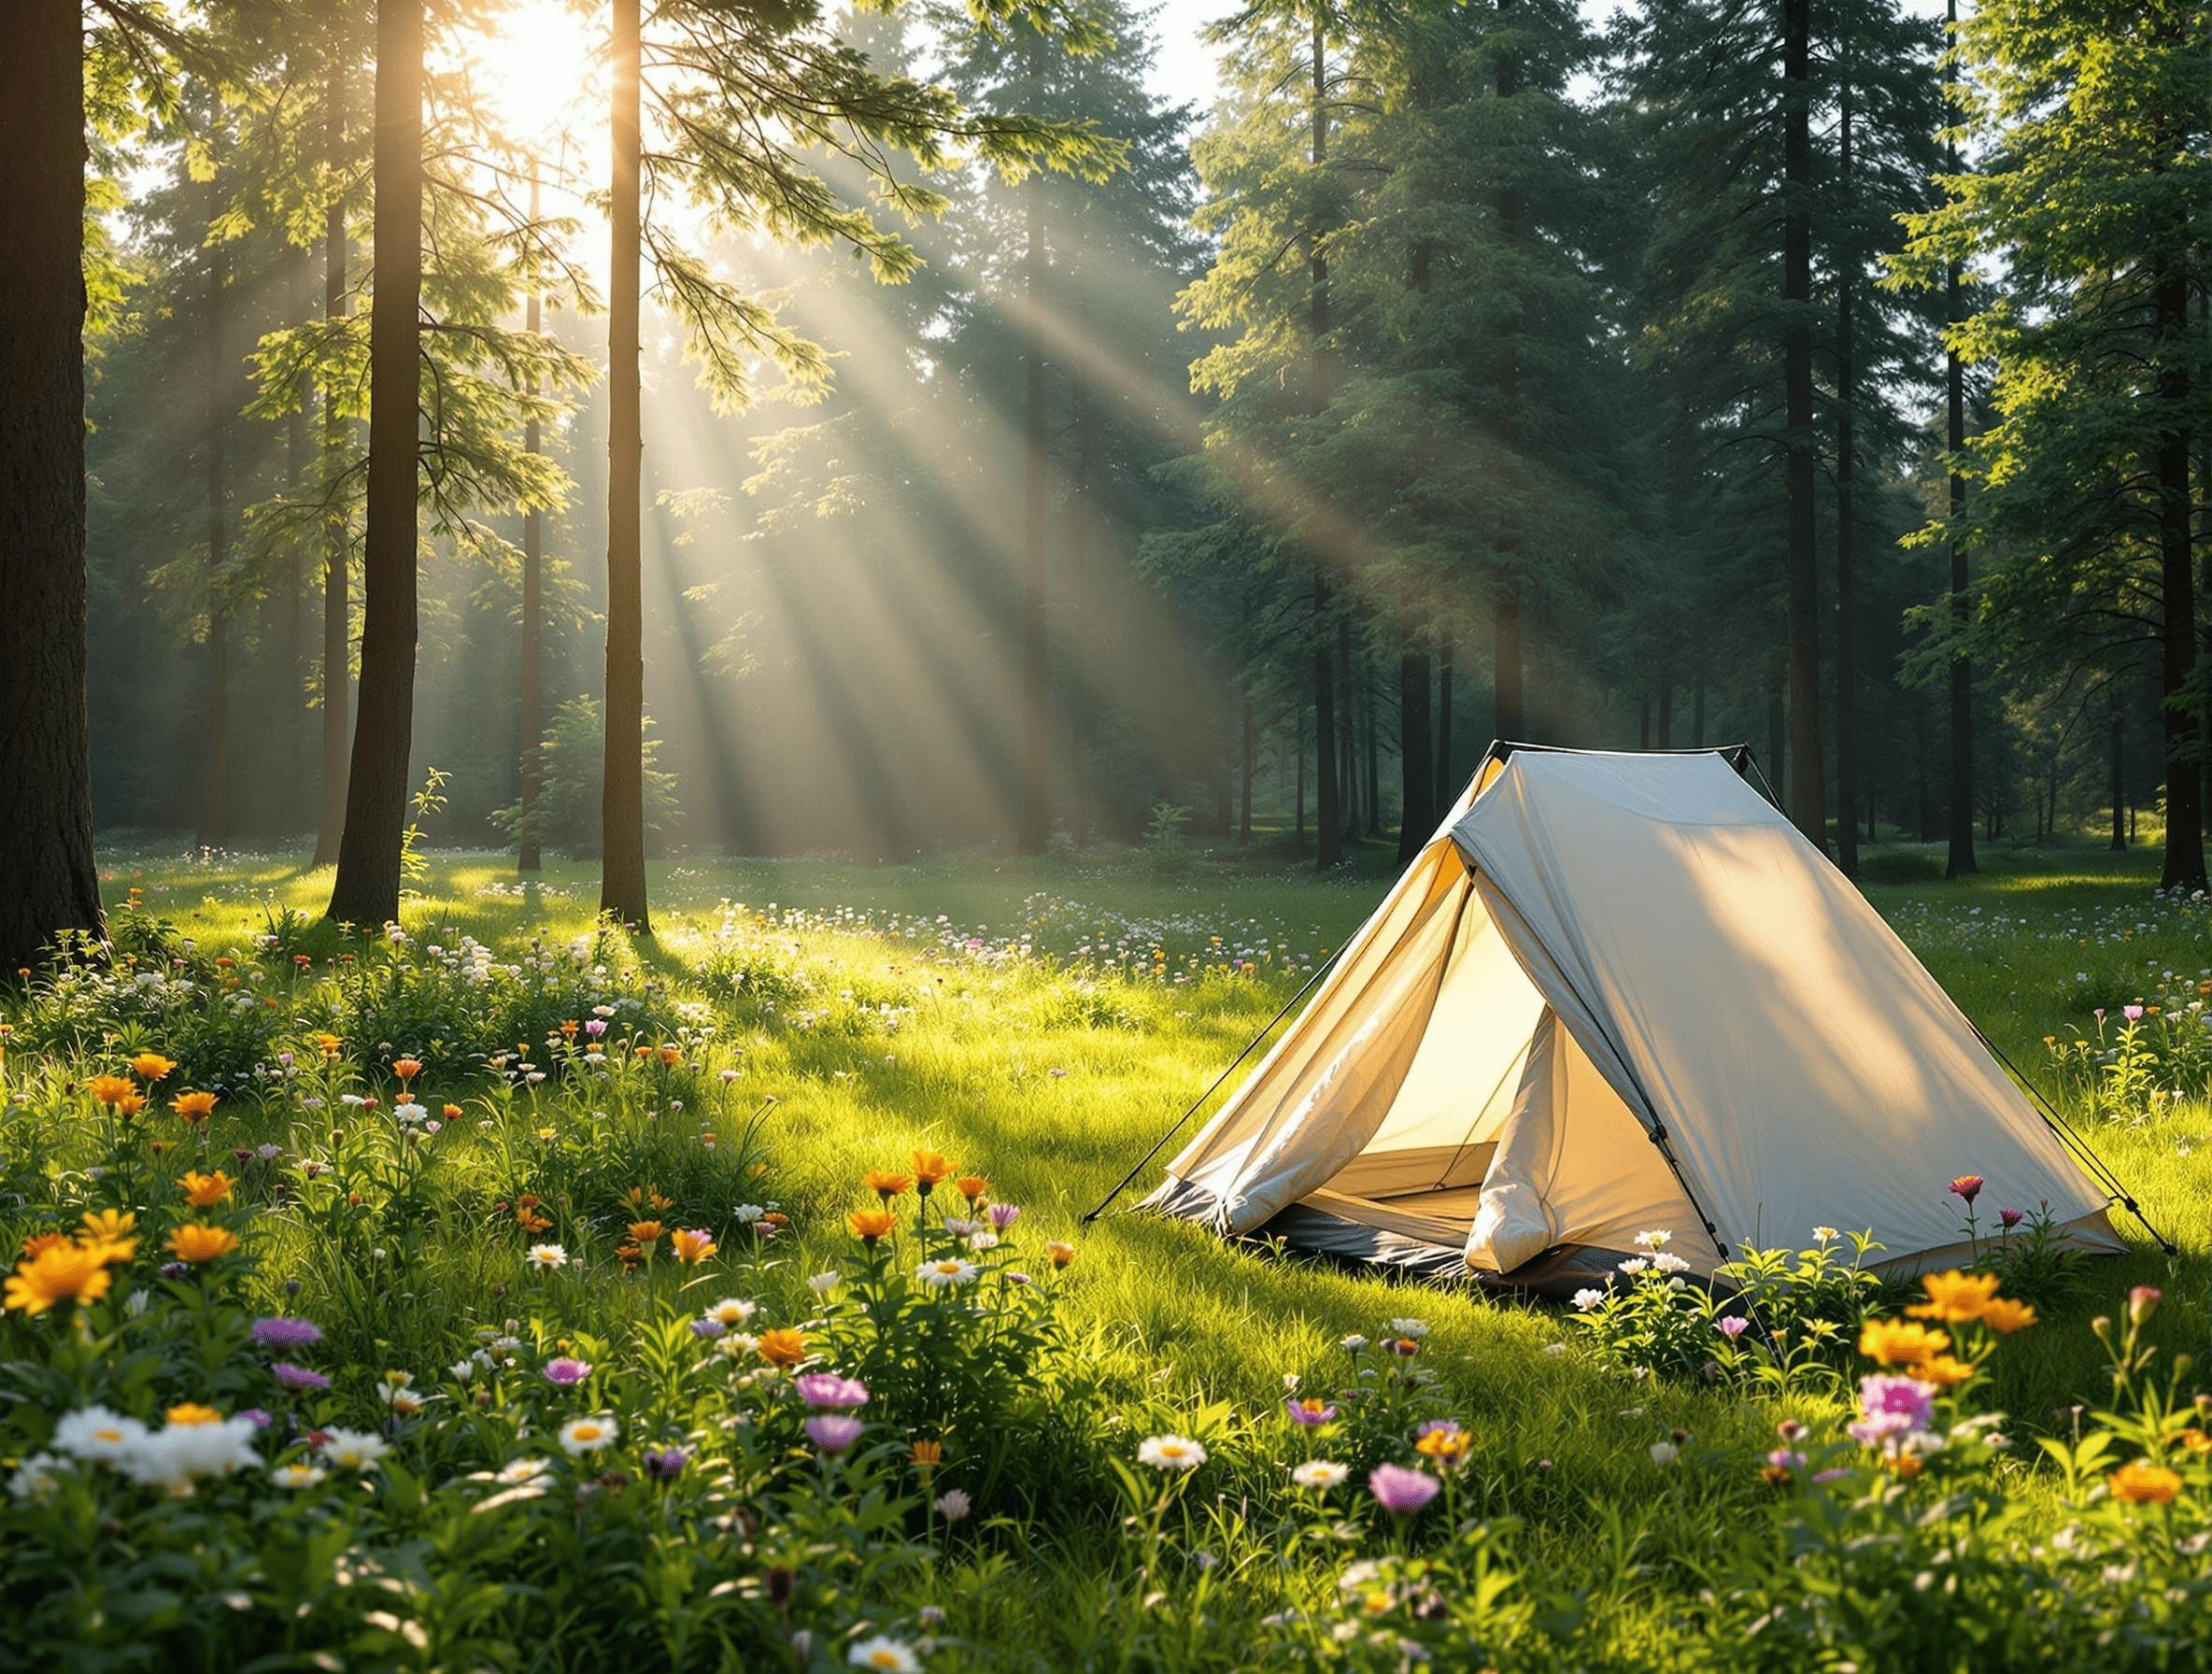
[571, 775]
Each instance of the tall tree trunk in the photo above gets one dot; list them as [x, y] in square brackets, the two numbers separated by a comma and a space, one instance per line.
[1328, 822]
[1808, 792]
[290, 806]
[1447, 782]
[1347, 726]
[1643, 723]
[1778, 735]
[45, 841]
[1374, 796]
[1417, 781]
[1250, 757]
[1034, 817]
[1327, 812]
[1960, 860]
[336, 618]
[367, 890]
[1697, 707]
[1083, 725]
[214, 822]
[2184, 865]
[1512, 721]
[1847, 738]
[533, 729]
[1505, 640]
[1667, 699]
[2116, 741]
[622, 817]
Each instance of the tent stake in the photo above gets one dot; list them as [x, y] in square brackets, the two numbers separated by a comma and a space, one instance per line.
[1288, 1006]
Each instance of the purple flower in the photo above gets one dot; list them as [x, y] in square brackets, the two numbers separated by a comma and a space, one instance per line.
[1786, 1458]
[1309, 1413]
[834, 1432]
[1732, 1324]
[565, 1373]
[1833, 1474]
[2010, 1218]
[286, 1333]
[665, 1463]
[1881, 1395]
[709, 1326]
[1017, 1279]
[1004, 1214]
[826, 1390]
[1430, 1426]
[595, 1026]
[298, 1377]
[1401, 1492]
[261, 1420]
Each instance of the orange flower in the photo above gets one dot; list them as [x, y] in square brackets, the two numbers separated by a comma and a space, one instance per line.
[38, 1244]
[451, 1112]
[671, 1056]
[1061, 1253]
[1444, 1446]
[1941, 1371]
[129, 1105]
[1955, 1296]
[66, 1273]
[691, 1247]
[973, 1188]
[406, 1068]
[2005, 1315]
[196, 1242]
[107, 1227]
[529, 1220]
[205, 1191]
[869, 1225]
[646, 1232]
[928, 1169]
[193, 1107]
[569, 1028]
[151, 1066]
[111, 1089]
[1894, 1342]
[190, 1412]
[2144, 1485]
[2196, 1441]
[885, 1185]
[782, 1346]
[330, 1044]
[927, 1455]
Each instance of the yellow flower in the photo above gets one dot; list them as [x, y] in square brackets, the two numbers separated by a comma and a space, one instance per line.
[1941, 1371]
[38, 1244]
[885, 1185]
[330, 1044]
[647, 1232]
[1444, 1446]
[1955, 1296]
[782, 1346]
[869, 1225]
[973, 1188]
[193, 1107]
[2005, 1315]
[927, 1455]
[406, 1068]
[2144, 1485]
[196, 1242]
[1061, 1253]
[129, 1105]
[928, 1169]
[63, 1274]
[151, 1066]
[691, 1247]
[205, 1191]
[191, 1412]
[671, 1056]
[2196, 1441]
[111, 1089]
[107, 1226]
[1895, 1343]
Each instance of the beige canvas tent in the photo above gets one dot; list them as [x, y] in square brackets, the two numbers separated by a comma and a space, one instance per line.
[1620, 993]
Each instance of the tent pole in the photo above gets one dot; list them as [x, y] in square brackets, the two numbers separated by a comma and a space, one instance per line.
[1319, 972]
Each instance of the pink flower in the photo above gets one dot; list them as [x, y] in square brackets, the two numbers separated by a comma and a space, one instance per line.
[2143, 1302]
[828, 1391]
[834, 1432]
[1401, 1492]
[1003, 1214]
[565, 1373]
[2010, 1218]
[1786, 1458]
[1732, 1324]
[1883, 1395]
[1967, 1187]
[2133, 1014]
[1308, 1413]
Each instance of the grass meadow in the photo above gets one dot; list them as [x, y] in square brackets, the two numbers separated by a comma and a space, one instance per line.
[1040, 1023]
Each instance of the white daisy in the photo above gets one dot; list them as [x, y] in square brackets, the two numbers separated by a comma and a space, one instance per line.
[546, 1258]
[1320, 1473]
[951, 1270]
[1170, 1452]
[733, 1311]
[96, 1434]
[885, 1653]
[583, 1436]
[299, 1474]
[354, 1450]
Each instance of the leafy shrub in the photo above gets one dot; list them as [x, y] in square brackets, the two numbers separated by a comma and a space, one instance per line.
[571, 779]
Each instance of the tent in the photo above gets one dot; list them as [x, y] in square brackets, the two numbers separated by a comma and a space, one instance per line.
[1620, 993]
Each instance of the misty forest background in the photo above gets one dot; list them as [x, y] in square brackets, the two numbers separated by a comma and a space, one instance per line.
[1467, 371]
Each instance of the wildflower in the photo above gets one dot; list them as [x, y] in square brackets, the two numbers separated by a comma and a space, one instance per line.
[1310, 1414]
[107, 1227]
[583, 1436]
[885, 1185]
[299, 1474]
[196, 1242]
[1732, 1324]
[1899, 1343]
[1323, 1474]
[692, 1246]
[2144, 1485]
[869, 1225]
[885, 1653]
[782, 1346]
[1667, 1261]
[38, 1244]
[1400, 1490]
[1351, 1344]
[297, 1377]
[2010, 1218]
[834, 1432]
[1824, 1235]
[1445, 1442]
[2143, 1302]
[1967, 1187]
[927, 1455]
[286, 1333]
[565, 1373]
[2133, 1014]
[1634, 1265]
[1664, 1453]
[1955, 1296]
[1061, 1253]
[823, 1283]
[198, 1441]
[151, 1066]
[97, 1435]
[950, 1270]
[1942, 1371]
[973, 1188]
[1002, 1215]
[665, 1464]
[193, 1107]
[34, 1478]
[1409, 1328]
[830, 1393]
[353, 1450]
[646, 1232]
[1588, 1297]
[205, 1191]
[111, 1089]
[1652, 1240]
[406, 1068]
[953, 1505]
[2005, 1316]
[546, 1258]
[930, 1168]
[328, 1045]
[1170, 1452]
[66, 1273]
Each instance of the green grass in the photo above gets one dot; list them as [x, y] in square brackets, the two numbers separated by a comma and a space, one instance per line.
[1053, 1074]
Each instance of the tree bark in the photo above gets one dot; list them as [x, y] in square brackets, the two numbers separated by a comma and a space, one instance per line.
[336, 623]
[1417, 781]
[1847, 745]
[366, 891]
[1447, 789]
[1510, 697]
[622, 817]
[1035, 815]
[214, 821]
[2115, 761]
[1327, 813]
[532, 731]
[45, 841]
[1250, 763]
[1959, 861]
[291, 806]
[1808, 793]
[2184, 864]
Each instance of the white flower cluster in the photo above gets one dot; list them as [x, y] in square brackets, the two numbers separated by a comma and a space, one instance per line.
[171, 1458]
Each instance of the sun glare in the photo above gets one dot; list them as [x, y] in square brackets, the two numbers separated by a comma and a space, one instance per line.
[540, 68]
